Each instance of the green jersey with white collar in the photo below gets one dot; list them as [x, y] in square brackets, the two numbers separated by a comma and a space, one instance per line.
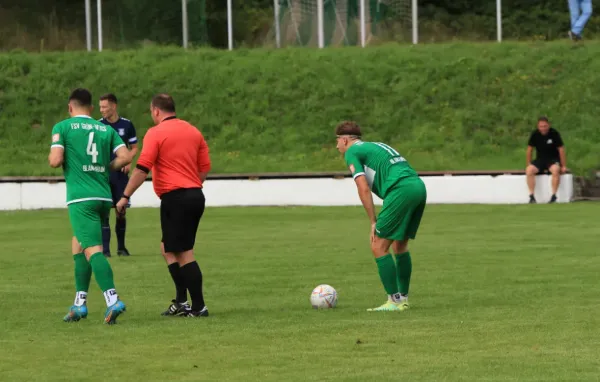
[381, 164]
[88, 145]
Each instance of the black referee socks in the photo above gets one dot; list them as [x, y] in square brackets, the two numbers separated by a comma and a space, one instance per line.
[179, 281]
[193, 280]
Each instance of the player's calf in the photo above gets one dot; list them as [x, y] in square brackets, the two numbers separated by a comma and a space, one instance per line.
[403, 267]
[386, 268]
[106, 238]
[120, 229]
[104, 277]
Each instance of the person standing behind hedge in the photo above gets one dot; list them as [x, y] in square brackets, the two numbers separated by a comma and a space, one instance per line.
[580, 10]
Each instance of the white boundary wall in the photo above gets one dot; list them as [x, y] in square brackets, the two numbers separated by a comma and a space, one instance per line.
[477, 189]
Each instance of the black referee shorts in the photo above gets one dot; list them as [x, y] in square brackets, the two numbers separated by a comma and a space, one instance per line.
[180, 213]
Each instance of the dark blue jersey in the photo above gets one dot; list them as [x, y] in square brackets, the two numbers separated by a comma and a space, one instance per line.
[125, 129]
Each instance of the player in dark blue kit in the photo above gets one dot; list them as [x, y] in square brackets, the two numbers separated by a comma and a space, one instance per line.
[119, 179]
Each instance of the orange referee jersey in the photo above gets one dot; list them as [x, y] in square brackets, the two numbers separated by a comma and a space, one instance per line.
[175, 151]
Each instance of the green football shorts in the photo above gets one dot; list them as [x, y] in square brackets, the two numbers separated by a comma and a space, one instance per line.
[86, 221]
[402, 210]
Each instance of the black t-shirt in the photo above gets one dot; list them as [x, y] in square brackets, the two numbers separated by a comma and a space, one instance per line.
[546, 146]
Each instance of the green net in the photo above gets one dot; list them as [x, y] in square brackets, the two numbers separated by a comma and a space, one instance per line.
[298, 21]
[132, 22]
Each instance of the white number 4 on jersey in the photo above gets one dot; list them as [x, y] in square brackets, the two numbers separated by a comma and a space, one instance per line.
[91, 148]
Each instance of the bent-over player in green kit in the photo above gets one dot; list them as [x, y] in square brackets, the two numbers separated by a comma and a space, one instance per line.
[378, 168]
[83, 147]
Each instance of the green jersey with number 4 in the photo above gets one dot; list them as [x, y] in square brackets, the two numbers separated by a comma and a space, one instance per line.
[87, 145]
[382, 166]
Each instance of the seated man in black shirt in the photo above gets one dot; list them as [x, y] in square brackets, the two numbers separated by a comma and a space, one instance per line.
[550, 157]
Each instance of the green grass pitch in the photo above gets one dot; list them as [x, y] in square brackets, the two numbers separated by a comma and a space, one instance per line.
[499, 293]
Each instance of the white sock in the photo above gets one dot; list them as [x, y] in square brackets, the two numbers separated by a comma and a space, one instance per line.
[395, 297]
[80, 298]
[111, 297]
[404, 297]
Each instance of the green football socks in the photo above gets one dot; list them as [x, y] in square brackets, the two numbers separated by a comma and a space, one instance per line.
[404, 265]
[104, 277]
[387, 273]
[83, 276]
[83, 273]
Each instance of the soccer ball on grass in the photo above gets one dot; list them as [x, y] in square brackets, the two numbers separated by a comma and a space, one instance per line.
[323, 297]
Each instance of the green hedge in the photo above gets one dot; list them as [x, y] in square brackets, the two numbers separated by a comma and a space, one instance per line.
[461, 106]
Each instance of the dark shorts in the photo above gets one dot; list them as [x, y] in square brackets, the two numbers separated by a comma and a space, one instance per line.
[180, 213]
[118, 182]
[543, 165]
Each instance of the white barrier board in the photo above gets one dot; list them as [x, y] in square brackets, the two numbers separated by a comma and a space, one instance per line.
[476, 189]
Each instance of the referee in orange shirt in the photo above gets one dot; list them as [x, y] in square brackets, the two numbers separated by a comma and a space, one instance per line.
[177, 154]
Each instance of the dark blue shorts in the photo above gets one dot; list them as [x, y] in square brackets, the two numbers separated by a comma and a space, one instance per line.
[118, 182]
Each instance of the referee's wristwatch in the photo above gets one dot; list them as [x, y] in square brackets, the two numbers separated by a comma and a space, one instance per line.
[126, 197]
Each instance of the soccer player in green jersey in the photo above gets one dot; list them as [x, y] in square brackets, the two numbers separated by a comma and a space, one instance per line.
[378, 168]
[83, 147]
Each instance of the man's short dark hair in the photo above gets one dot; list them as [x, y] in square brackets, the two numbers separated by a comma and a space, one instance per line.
[543, 118]
[81, 96]
[164, 102]
[109, 97]
[348, 128]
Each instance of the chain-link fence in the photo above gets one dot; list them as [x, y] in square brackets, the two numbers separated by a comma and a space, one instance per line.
[44, 25]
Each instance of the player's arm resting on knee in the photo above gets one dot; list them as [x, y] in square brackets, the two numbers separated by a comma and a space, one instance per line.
[122, 159]
[204, 164]
[366, 197]
[364, 191]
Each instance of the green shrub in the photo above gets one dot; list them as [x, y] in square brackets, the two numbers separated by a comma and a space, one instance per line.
[458, 106]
